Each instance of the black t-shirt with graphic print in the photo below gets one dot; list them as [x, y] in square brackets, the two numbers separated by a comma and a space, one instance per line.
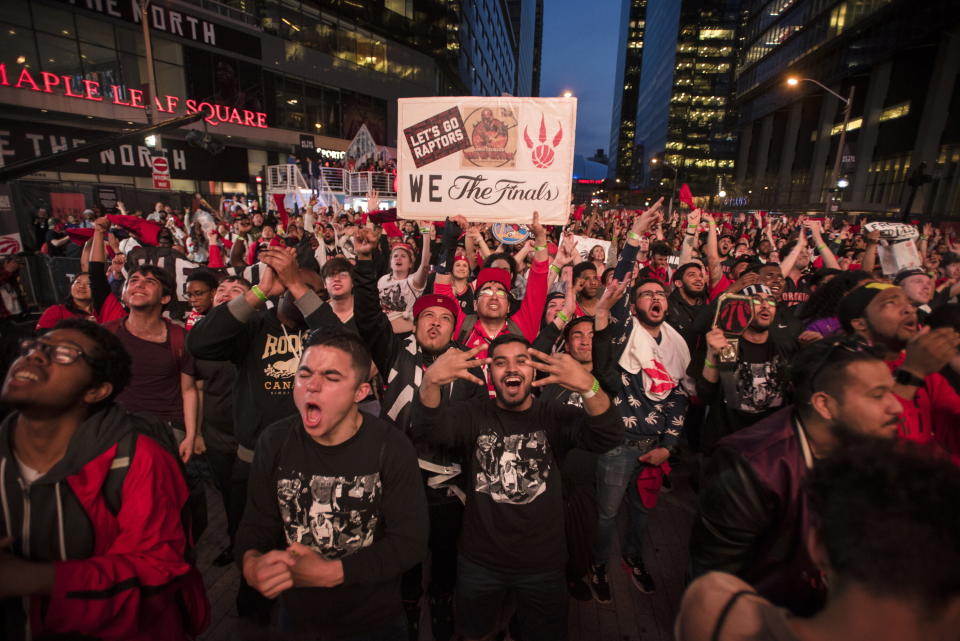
[360, 502]
[513, 520]
[761, 383]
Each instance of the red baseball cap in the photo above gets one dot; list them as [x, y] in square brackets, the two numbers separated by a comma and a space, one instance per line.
[436, 300]
[495, 274]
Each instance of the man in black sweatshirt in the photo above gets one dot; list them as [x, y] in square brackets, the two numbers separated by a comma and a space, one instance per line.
[265, 345]
[335, 511]
[512, 539]
[402, 362]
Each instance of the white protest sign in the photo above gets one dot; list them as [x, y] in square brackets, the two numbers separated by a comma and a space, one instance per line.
[585, 246]
[898, 249]
[490, 159]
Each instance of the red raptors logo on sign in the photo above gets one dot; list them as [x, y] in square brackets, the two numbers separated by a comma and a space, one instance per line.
[542, 155]
[10, 244]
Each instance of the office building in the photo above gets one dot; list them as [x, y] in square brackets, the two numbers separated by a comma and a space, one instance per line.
[272, 76]
[526, 18]
[900, 58]
[684, 118]
[625, 86]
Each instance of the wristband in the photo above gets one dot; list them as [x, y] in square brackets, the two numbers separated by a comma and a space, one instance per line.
[708, 363]
[634, 235]
[922, 237]
[424, 230]
[563, 316]
[592, 391]
[821, 247]
[259, 293]
[537, 248]
[555, 269]
[712, 223]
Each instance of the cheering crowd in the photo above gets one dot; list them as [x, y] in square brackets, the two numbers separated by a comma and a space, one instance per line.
[401, 415]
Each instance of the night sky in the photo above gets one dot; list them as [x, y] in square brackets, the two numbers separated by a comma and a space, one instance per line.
[580, 54]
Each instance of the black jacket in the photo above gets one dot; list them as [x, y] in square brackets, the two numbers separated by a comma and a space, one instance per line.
[401, 364]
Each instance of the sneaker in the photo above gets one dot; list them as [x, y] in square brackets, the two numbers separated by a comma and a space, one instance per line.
[441, 617]
[639, 575]
[579, 590]
[599, 584]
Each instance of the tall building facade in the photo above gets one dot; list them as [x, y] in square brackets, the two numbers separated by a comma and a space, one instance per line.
[271, 76]
[625, 87]
[526, 17]
[900, 58]
[684, 109]
[485, 47]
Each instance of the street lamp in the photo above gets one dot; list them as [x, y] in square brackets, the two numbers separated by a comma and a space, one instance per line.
[843, 183]
[847, 105]
[722, 194]
[567, 94]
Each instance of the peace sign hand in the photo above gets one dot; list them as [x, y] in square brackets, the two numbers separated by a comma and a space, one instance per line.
[454, 364]
[561, 369]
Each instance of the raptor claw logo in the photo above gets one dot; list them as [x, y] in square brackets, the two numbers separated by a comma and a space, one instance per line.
[542, 155]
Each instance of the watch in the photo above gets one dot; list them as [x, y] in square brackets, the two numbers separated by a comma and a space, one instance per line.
[903, 377]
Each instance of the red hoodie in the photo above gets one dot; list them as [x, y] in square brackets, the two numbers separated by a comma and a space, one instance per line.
[116, 576]
[933, 414]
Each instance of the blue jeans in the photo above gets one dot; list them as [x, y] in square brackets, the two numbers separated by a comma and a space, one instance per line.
[541, 600]
[617, 472]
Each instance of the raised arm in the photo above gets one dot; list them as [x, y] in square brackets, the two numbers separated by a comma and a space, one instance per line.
[829, 259]
[690, 236]
[419, 279]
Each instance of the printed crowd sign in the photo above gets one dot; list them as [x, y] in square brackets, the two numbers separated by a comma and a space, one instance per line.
[493, 160]
[161, 173]
[585, 246]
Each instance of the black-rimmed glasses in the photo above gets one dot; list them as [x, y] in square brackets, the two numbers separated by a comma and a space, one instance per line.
[54, 352]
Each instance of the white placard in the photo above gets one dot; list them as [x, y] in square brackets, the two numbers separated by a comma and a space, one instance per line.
[584, 245]
[490, 159]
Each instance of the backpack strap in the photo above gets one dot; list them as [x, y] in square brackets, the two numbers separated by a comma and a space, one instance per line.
[122, 460]
[726, 611]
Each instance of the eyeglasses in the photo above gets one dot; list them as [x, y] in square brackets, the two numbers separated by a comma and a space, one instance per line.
[198, 294]
[490, 291]
[54, 352]
[650, 295]
[765, 300]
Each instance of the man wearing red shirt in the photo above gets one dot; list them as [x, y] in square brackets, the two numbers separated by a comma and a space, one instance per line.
[882, 316]
[493, 304]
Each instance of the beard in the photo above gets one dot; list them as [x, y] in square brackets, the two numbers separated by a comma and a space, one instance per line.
[646, 320]
[515, 402]
[692, 293]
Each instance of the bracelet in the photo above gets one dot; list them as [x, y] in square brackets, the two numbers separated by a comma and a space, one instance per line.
[634, 235]
[555, 269]
[259, 293]
[922, 237]
[537, 248]
[592, 391]
[712, 223]
[424, 230]
[820, 248]
[708, 363]
[562, 315]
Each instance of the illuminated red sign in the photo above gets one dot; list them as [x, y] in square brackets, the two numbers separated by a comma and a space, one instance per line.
[52, 83]
[590, 181]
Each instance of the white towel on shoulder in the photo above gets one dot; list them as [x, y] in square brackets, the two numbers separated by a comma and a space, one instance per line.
[664, 364]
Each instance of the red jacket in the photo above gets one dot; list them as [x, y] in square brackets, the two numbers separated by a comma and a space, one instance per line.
[117, 577]
[933, 414]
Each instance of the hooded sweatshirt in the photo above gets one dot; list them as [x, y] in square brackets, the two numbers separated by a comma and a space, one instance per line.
[116, 576]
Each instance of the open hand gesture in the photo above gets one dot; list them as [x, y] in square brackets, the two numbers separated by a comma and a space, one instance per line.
[612, 294]
[562, 369]
[364, 242]
[454, 364]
